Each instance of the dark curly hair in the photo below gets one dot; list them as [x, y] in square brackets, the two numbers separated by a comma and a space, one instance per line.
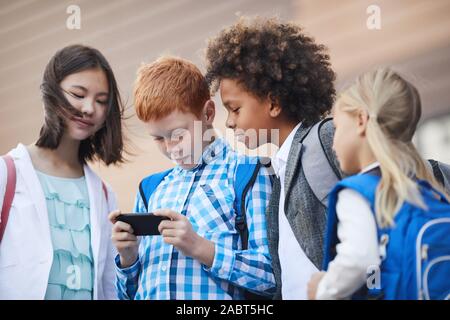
[277, 60]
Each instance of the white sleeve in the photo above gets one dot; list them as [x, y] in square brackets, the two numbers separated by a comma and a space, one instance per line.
[356, 251]
[109, 274]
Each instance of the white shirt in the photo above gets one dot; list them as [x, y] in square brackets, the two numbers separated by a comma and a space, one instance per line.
[296, 268]
[358, 248]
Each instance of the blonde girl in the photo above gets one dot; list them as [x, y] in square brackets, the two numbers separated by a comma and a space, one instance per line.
[375, 120]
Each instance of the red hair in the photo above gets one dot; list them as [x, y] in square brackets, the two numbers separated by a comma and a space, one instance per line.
[169, 84]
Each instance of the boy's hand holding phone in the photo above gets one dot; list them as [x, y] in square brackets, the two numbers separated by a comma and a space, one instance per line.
[173, 226]
[125, 241]
[178, 232]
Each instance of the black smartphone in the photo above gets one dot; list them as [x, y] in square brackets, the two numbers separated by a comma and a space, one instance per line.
[143, 224]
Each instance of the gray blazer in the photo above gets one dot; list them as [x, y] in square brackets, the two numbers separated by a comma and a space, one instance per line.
[305, 213]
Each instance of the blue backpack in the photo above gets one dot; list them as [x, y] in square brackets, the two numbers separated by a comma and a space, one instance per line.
[415, 252]
[246, 175]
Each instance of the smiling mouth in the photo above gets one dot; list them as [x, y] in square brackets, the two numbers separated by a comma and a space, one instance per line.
[84, 123]
[175, 156]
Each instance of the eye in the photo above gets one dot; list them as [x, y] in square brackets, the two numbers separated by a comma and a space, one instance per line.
[102, 102]
[178, 134]
[76, 95]
[236, 110]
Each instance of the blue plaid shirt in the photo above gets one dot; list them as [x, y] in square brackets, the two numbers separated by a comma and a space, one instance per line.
[205, 195]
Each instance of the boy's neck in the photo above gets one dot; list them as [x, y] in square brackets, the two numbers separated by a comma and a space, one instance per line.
[205, 145]
[213, 137]
[285, 131]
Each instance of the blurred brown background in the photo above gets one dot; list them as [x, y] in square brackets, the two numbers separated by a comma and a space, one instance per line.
[414, 38]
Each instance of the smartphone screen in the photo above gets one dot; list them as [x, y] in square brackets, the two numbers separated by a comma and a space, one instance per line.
[143, 224]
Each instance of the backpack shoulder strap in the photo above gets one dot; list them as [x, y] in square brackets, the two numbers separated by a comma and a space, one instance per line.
[426, 185]
[9, 193]
[148, 185]
[326, 133]
[365, 185]
[320, 170]
[437, 171]
[105, 190]
[246, 174]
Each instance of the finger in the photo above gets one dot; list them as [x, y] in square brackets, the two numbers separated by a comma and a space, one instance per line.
[170, 233]
[124, 236]
[125, 244]
[172, 215]
[167, 224]
[113, 215]
[121, 226]
[171, 240]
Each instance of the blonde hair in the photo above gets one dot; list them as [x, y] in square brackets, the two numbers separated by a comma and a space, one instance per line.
[394, 109]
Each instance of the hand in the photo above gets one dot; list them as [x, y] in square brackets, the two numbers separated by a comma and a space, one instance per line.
[124, 240]
[178, 232]
[313, 284]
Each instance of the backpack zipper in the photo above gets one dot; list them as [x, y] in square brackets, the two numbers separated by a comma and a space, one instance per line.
[422, 254]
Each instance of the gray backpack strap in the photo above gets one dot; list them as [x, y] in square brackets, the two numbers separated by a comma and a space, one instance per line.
[445, 169]
[441, 172]
[319, 170]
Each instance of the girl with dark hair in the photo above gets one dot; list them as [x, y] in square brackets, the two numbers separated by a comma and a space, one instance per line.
[57, 239]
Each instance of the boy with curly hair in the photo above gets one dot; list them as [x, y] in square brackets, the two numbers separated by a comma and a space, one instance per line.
[272, 76]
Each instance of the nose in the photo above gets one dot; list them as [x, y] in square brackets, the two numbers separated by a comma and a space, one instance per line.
[230, 123]
[170, 144]
[88, 107]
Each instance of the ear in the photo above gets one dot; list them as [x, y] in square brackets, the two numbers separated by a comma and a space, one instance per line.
[209, 112]
[363, 118]
[274, 106]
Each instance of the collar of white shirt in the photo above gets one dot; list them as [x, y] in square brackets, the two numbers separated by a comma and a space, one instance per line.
[371, 166]
[281, 157]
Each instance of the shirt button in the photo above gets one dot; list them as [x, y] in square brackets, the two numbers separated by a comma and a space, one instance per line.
[180, 201]
[163, 268]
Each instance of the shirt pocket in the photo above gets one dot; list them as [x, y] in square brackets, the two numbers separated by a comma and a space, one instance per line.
[213, 209]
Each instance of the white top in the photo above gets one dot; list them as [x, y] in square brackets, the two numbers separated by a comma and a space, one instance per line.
[296, 268]
[26, 251]
[358, 249]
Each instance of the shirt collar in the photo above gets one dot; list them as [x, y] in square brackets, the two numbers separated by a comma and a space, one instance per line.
[370, 167]
[215, 150]
[281, 157]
